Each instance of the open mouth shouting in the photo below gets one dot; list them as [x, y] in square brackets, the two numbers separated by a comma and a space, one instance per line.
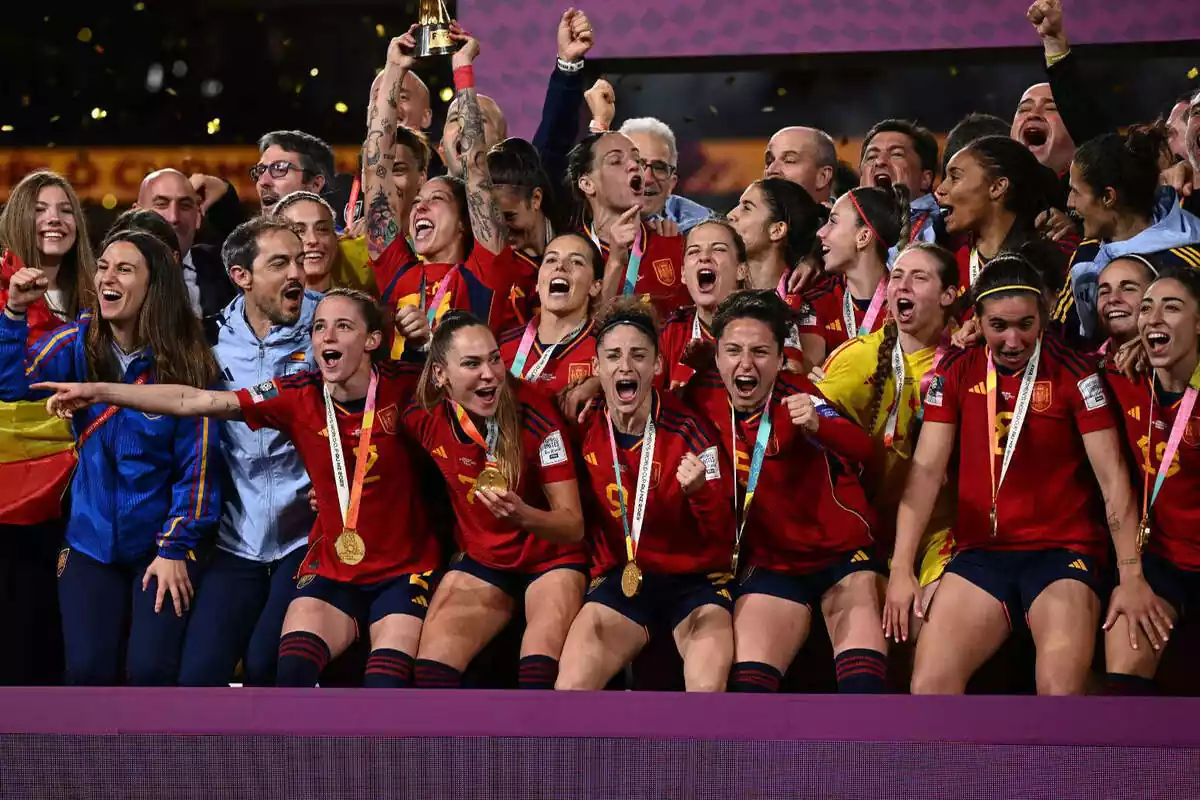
[1034, 132]
[905, 310]
[1158, 344]
[706, 279]
[293, 295]
[330, 357]
[110, 301]
[947, 214]
[882, 179]
[558, 287]
[268, 197]
[487, 397]
[626, 389]
[637, 184]
[744, 386]
[423, 229]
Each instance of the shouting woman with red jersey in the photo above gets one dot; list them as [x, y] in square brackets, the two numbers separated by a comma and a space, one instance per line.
[605, 176]
[459, 256]
[371, 556]
[659, 488]
[1162, 425]
[863, 225]
[554, 350]
[518, 524]
[1032, 422]
[804, 525]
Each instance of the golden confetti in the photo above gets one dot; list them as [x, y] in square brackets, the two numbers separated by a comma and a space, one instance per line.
[172, 92]
[299, 88]
[314, 72]
[214, 125]
[768, 109]
[56, 118]
[379, 30]
[139, 6]
[84, 35]
[25, 100]
[109, 201]
[99, 113]
[446, 94]
[782, 92]
[1192, 73]
[953, 72]
[6, 128]
[341, 107]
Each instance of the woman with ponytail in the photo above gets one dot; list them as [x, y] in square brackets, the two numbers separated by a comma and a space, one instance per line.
[371, 555]
[863, 225]
[1028, 541]
[518, 524]
[880, 380]
[1114, 185]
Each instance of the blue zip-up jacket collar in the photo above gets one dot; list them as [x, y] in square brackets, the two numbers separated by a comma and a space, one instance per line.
[145, 484]
[266, 514]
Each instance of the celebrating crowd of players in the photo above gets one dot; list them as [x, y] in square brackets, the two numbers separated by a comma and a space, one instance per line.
[953, 402]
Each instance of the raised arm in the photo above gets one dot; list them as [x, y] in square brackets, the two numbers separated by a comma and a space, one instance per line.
[51, 358]
[487, 223]
[383, 205]
[169, 399]
[559, 126]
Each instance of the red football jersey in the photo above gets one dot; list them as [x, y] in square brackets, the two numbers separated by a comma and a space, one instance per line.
[391, 519]
[809, 506]
[499, 288]
[676, 334]
[548, 459]
[571, 361]
[1050, 497]
[660, 276]
[680, 534]
[1175, 517]
[824, 314]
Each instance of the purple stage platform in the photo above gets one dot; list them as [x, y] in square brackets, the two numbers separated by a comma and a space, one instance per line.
[174, 744]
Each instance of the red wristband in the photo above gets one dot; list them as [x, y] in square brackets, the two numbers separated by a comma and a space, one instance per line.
[464, 78]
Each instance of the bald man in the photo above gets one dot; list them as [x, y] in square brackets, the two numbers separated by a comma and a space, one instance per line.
[495, 130]
[806, 156]
[170, 194]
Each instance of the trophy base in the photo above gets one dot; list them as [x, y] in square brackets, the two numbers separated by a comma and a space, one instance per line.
[434, 40]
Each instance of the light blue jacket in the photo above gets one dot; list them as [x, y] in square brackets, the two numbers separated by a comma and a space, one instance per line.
[266, 514]
[685, 213]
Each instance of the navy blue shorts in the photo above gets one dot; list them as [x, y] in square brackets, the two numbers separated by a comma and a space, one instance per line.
[664, 600]
[1179, 587]
[1017, 577]
[807, 590]
[368, 603]
[511, 582]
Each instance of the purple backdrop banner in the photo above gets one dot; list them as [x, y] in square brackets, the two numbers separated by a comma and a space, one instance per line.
[518, 36]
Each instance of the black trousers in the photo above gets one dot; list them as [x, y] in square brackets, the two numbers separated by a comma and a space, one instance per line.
[30, 625]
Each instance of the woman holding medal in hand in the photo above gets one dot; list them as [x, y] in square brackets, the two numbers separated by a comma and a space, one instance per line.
[659, 488]
[1162, 426]
[555, 348]
[372, 555]
[804, 527]
[1032, 422]
[500, 446]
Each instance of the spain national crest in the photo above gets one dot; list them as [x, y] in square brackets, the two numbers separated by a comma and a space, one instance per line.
[578, 372]
[1191, 433]
[1043, 396]
[655, 474]
[387, 419]
[664, 270]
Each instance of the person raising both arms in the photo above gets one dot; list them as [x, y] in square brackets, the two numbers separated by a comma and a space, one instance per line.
[605, 181]
[880, 381]
[459, 257]
[804, 528]
[144, 494]
[554, 350]
[863, 225]
[500, 446]
[1032, 422]
[1162, 427]
[658, 493]
[372, 555]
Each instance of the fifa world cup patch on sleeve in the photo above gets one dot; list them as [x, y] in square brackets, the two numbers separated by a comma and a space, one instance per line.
[712, 465]
[553, 450]
[263, 392]
[1092, 391]
[793, 338]
[806, 317]
[936, 390]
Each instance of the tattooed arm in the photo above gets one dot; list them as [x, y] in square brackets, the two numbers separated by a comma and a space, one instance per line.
[384, 210]
[487, 223]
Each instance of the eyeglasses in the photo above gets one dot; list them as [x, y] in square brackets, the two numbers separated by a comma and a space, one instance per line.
[278, 170]
[659, 169]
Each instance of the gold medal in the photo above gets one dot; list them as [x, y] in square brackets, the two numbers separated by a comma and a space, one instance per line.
[491, 479]
[734, 563]
[350, 548]
[631, 579]
[1143, 535]
[993, 520]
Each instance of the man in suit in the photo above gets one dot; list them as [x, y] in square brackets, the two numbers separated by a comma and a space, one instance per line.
[170, 194]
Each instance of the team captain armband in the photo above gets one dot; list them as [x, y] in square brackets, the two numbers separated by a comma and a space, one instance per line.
[712, 465]
[1092, 391]
[553, 450]
[264, 391]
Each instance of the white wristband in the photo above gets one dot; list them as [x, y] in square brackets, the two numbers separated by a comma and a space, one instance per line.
[570, 66]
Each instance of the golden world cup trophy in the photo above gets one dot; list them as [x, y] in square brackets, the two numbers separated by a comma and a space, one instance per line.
[433, 37]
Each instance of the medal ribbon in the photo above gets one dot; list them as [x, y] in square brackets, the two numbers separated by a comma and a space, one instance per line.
[443, 287]
[1020, 411]
[350, 496]
[872, 314]
[761, 441]
[976, 264]
[635, 256]
[697, 330]
[104, 416]
[781, 289]
[1182, 416]
[634, 533]
[889, 431]
[468, 427]
[526, 345]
